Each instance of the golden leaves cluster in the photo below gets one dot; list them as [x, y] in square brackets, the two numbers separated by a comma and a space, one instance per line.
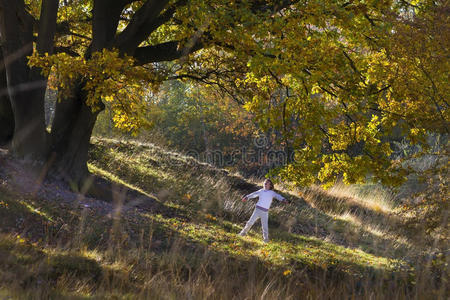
[106, 78]
[339, 79]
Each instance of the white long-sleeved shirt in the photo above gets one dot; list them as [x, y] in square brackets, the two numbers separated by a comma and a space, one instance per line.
[265, 198]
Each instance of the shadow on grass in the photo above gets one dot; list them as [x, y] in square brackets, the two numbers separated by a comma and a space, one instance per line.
[32, 272]
[240, 258]
[299, 217]
[302, 218]
[175, 249]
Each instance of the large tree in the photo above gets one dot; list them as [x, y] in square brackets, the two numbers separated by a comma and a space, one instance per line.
[334, 79]
[99, 47]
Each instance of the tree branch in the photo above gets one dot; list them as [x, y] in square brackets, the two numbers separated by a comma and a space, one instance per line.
[67, 50]
[165, 52]
[352, 64]
[63, 28]
[143, 22]
[381, 90]
[436, 104]
[106, 15]
[47, 26]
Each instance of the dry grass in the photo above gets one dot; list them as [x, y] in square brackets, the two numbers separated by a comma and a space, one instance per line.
[338, 244]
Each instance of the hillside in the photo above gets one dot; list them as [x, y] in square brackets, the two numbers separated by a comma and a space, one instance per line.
[169, 231]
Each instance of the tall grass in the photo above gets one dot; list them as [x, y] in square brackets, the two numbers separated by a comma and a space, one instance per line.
[343, 243]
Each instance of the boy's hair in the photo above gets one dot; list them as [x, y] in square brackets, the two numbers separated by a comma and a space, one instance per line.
[271, 183]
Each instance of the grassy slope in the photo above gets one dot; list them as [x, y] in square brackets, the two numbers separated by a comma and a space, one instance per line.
[185, 244]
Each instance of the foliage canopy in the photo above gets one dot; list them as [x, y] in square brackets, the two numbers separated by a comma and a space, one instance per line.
[338, 80]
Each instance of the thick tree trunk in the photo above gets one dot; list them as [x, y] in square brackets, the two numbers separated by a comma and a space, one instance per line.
[6, 113]
[30, 136]
[70, 138]
[26, 88]
[74, 120]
